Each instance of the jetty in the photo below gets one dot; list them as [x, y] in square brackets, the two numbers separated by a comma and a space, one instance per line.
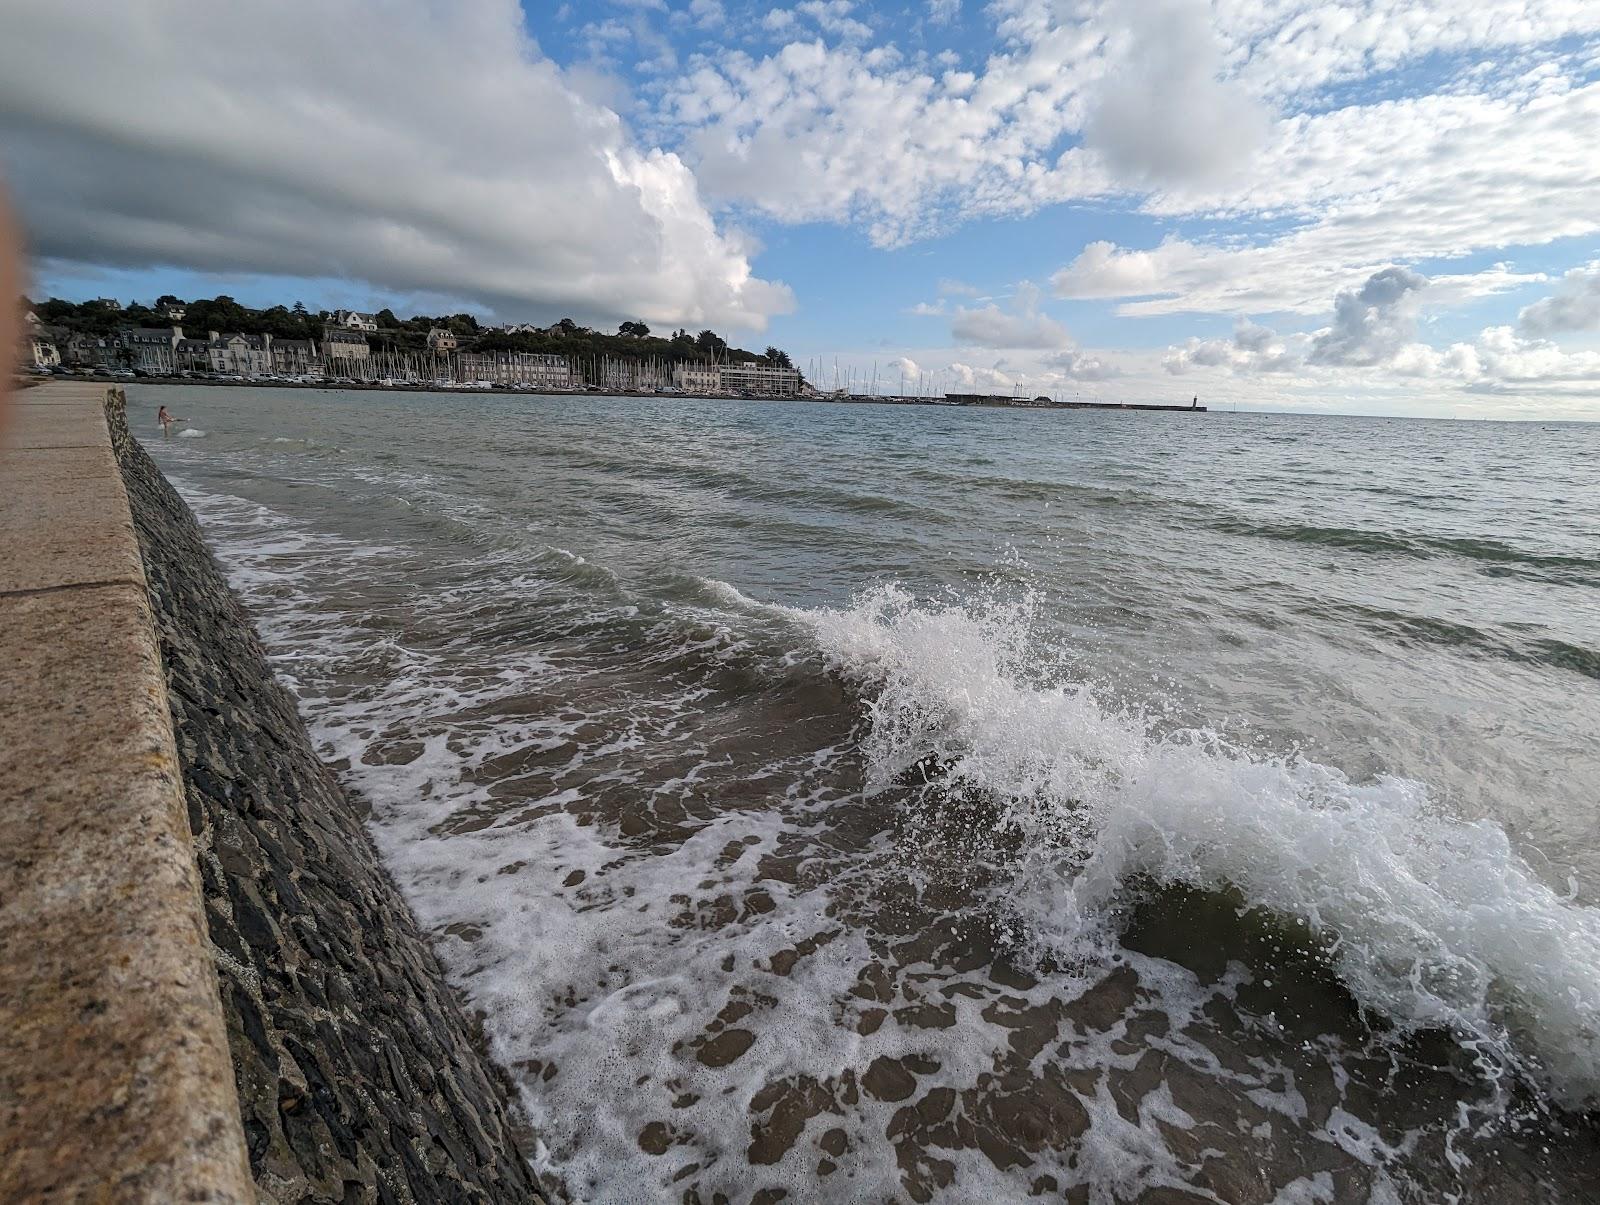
[1045, 403]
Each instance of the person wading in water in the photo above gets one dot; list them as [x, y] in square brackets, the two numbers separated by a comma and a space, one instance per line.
[166, 420]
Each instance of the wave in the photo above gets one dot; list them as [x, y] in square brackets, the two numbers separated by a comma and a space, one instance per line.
[1429, 921]
[191, 433]
[1505, 557]
[1405, 628]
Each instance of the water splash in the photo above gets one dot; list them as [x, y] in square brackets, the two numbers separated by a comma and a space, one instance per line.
[1430, 921]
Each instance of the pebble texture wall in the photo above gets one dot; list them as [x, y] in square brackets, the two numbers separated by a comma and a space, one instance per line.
[358, 1078]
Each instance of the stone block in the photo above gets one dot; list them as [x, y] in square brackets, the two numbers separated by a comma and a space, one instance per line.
[115, 1081]
[64, 520]
[78, 424]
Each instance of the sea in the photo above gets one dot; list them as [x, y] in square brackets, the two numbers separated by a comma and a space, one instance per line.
[863, 803]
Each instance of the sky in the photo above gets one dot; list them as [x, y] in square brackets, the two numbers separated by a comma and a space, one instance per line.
[1382, 206]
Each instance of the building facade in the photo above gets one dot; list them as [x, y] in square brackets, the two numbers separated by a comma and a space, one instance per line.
[90, 351]
[760, 379]
[193, 355]
[441, 341]
[533, 369]
[697, 378]
[151, 348]
[296, 358]
[350, 320]
[41, 349]
[241, 355]
[345, 351]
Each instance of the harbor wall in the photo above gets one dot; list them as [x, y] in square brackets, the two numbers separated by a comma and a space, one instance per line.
[210, 989]
[357, 1072]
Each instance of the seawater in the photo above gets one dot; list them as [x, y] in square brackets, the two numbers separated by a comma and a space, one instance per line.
[864, 803]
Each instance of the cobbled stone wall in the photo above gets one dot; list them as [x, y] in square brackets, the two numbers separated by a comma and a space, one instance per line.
[358, 1079]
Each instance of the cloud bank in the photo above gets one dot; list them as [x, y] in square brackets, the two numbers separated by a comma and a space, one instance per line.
[429, 149]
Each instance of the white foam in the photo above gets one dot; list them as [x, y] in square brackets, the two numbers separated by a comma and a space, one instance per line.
[1437, 922]
[600, 978]
[191, 433]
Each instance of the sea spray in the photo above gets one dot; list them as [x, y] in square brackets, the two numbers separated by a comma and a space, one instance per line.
[1431, 922]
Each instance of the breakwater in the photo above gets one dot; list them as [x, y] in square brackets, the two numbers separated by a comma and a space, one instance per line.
[280, 1015]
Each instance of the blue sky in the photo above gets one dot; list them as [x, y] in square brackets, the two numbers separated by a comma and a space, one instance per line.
[1368, 206]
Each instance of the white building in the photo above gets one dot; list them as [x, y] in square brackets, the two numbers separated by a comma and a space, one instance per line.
[241, 355]
[42, 349]
[697, 378]
[344, 351]
[763, 380]
[353, 321]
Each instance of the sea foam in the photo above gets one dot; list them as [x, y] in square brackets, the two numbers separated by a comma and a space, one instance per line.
[1432, 921]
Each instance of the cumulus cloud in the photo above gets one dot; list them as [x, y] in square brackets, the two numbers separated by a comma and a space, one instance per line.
[1574, 306]
[1374, 327]
[1082, 366]
[447, 157]
[1021, 326]
[1253, 350]
[979, 379]
[1372, 323]
[1164, 113]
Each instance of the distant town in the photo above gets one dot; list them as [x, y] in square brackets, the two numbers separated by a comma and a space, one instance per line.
[220, 340]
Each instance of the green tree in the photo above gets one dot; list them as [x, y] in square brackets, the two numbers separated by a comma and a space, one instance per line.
[222, 313]
[386, 318]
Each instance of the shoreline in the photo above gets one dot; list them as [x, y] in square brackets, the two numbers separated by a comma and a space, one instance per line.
[985, 403]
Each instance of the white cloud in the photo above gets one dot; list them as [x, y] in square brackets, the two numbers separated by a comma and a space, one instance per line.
[1086, 102]
[1373, 328]
[1574, 306]
[448, 157]
[1022, 325]
[708, 14]
[1082, 366]
[833, 16]
[942, 12]
[1372, 323]
[1253, 350]
[1162, 114]
[982, 380]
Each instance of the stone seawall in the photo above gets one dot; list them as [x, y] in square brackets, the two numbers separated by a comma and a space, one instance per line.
[358, 1077]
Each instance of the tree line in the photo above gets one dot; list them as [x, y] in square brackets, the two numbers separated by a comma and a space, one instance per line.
[633, 340]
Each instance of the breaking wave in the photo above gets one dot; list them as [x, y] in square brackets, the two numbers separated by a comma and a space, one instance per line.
[1431, 922]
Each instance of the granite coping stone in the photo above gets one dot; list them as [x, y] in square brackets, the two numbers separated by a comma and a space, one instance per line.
[64, 521]
[78, 424]
[115, 1077]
